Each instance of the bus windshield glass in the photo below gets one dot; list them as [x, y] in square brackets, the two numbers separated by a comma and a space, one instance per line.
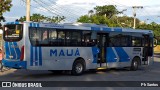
[13, 32]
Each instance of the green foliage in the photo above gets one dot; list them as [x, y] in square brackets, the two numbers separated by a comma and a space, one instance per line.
[55, 19]
[41, 18]
[5, 6]
[107, 10]
[108, 15]
[152, 26]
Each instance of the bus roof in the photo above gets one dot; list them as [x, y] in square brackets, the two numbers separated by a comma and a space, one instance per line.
[84, 26]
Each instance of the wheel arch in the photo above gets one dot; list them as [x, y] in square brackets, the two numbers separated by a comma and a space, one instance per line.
[137, 58]
[80, 58]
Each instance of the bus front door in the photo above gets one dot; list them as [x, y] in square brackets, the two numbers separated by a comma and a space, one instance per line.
[147, 49]
[102, 45]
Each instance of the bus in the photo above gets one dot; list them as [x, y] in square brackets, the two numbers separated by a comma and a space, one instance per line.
[75, 47]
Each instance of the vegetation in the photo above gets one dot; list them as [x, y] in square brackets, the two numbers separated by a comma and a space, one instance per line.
[4, 7]
[109, 15]
[41, 18]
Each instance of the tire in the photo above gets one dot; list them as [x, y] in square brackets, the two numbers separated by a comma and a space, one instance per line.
[78, 67]
[135, 64]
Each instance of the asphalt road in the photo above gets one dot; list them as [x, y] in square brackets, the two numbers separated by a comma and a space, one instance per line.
[145, 73]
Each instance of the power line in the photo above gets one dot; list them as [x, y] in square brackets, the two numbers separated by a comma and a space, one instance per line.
[45, 7]
[50, 8]
[56, 10]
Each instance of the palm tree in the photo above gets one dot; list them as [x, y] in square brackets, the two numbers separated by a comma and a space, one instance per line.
[90, 12]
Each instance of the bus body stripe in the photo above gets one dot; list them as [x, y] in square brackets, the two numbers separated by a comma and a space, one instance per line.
[36, 56]
[95, 52]
[14, 47]
[123, 56]
[111, 55]
[7, 50]
[31, 56]
[17, 50]
[30, 24]
[12, 50]
[40, 56]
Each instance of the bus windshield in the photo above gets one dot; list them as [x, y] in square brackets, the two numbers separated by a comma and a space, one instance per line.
[13, 32]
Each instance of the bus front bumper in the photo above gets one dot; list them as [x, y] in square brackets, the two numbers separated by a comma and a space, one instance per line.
[14, 64]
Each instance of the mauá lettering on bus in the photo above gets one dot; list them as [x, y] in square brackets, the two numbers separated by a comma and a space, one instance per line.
[67, 52]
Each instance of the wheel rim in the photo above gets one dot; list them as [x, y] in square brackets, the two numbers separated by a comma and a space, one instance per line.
[79, 68]
[135, 64]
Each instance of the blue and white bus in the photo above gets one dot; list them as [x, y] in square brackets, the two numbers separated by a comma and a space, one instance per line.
[75, 47]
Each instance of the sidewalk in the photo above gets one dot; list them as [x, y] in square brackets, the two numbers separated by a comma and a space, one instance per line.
[7, 71]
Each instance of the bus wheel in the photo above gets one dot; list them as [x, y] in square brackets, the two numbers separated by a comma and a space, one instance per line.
[135, 64]
[78, 68]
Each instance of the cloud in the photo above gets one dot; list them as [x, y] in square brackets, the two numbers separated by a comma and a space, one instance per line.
[72, 9]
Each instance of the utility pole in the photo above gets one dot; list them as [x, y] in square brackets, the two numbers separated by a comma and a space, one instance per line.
[134, 14]
[28, 10]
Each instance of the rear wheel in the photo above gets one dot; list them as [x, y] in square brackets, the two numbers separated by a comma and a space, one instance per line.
[78, 67]
[135, 64]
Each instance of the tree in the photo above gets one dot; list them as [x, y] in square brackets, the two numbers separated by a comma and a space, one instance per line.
[55, 19]
[4, 7]
[107, 10]
[34, 17]
[90, 12]
[107, 14]
[41, 18]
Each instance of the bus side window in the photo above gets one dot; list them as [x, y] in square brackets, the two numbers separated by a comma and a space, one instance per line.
[86, 39]
[44, 39]
[61, 38]
[76, 38]
[136, 41]
[53, 37]
[33, 36]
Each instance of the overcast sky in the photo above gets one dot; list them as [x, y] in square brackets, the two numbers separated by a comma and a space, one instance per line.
[72, 9]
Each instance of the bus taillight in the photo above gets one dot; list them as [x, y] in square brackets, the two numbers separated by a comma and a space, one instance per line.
[22, 53]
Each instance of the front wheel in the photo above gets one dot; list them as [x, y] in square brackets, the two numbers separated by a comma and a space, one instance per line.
[78, 68]
[135, 64]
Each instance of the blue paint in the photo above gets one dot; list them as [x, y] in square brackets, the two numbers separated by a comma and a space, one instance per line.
[77, 53]
[95, 52]
[61, 53]
[69, 52]
[40, 56]
[16, 22]
[37, 24]
[15, 64]
[123, 56]
[64, 52]
[7, 50]
[30, 25]
[111, 55]
[36, 56]
[96, 28]
[13, 53]
[12, 22]
[31, 56]
[107, 29]
[53, 52]
[17, 50]
[118, 29]
[34, 24]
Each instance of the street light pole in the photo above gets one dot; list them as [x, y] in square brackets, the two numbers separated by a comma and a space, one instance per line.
[28, 10]
[134, 14]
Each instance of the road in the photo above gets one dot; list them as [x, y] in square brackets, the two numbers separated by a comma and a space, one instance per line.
[149, 73]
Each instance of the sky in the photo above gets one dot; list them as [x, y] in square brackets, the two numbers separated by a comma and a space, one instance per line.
[73, 9]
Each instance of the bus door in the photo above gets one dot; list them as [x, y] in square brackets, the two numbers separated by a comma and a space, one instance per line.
[102, 45]
[147, 49]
